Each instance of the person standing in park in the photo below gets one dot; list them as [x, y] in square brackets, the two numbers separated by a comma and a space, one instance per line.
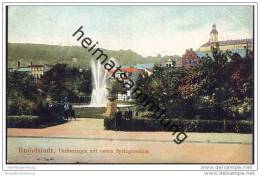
[72, 112]
[66, 109]
[118, 117]
[128, 114]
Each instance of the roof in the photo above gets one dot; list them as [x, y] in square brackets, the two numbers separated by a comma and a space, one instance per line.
[143, 66]
[129, 70]
[201, 54]
[169, 60]
[175, 58]
[190, 54]
[241, 52]
[164, 60]
[230, 42]
[21, 69]
[126, 66]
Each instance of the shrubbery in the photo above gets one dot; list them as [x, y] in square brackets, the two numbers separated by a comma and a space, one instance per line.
[242, 126]
[23, 121]
[19, 106]
[43, 115]
[21, 94]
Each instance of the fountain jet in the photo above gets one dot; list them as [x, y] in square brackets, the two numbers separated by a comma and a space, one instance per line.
[99, 84]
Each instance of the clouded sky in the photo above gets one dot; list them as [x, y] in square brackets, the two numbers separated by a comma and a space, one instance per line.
[148, 30]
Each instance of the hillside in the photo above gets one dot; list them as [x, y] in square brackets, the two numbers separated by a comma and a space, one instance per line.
[72, 55]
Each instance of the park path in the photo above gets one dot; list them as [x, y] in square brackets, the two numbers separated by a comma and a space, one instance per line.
[94, 128]
[89, 134]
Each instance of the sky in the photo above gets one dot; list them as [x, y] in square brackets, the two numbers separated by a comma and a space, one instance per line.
[147, 30]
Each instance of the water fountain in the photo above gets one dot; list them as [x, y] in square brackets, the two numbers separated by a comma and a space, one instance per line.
[99, 84]
[101, 96]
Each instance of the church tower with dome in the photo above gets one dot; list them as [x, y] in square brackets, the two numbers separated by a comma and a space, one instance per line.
[214, 37]
[236, 46]
[214, 34]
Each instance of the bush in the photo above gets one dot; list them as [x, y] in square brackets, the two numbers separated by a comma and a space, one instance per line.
[241, 126]
[44, 116]
[24, 121]
[19, 106]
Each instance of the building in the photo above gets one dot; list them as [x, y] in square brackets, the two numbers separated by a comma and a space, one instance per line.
[171, 61]
[124, 97]
[36, 71]
[235, 46]
[190, 58]
[148, 71]
[20, 69]
[240, 47]
[167, 62]
[133, 72]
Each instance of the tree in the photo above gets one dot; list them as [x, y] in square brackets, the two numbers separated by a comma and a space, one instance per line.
[214, 89]
[62, 81]
[22, 93]
[162, 88]
[224, 88]
[117, 88]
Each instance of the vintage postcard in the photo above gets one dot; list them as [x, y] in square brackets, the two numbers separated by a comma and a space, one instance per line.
[130, 84]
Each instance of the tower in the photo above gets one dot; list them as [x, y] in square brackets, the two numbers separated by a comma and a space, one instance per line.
[213, 34]
[214, 38]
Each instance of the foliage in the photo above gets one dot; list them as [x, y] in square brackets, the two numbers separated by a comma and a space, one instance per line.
[21, 83]
[217, 88]
[24, 121]
[62, 81]
[20, 106]
[117, 87]
[22, 93]
[227, 86]
[139, 124]
[162, 88]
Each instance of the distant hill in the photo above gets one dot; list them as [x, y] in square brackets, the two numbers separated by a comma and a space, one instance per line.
[72, 55]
